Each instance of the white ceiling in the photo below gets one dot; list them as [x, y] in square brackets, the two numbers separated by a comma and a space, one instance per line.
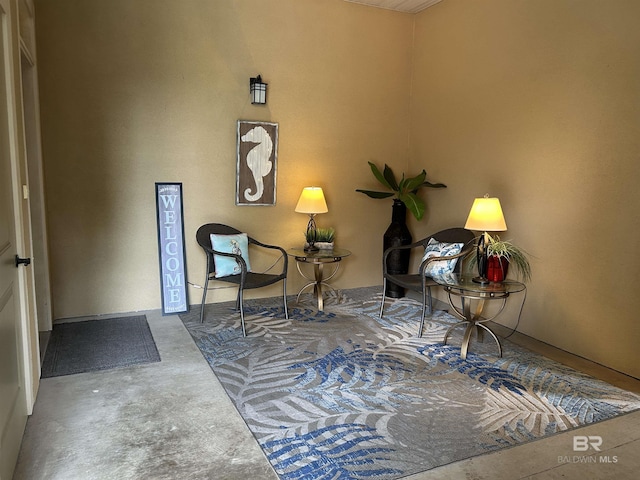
[407, 6]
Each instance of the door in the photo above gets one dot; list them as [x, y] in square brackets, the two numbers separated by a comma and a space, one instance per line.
[13, 404]
[35, 204]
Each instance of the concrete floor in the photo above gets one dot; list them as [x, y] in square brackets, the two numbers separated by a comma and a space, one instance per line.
[173, 420]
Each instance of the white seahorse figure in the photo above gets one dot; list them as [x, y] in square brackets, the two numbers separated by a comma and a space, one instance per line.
[258, 159]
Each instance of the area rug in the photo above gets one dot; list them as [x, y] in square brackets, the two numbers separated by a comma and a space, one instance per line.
[88, 346]
[345, 394]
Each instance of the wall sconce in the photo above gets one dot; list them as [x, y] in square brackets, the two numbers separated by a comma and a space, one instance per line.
[311, 201]
[257, 90]
[485, 215]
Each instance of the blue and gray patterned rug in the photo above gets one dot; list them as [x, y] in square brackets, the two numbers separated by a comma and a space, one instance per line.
[344, 394]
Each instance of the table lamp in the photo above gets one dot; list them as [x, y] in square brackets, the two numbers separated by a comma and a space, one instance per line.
[312, 202]
[485, 215]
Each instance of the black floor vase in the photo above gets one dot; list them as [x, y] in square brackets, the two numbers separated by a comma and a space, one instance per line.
[397, 234]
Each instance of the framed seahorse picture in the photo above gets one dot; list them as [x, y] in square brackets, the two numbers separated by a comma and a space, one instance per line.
[257, 163]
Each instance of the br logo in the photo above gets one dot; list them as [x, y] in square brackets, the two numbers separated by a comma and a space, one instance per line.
[582, 443]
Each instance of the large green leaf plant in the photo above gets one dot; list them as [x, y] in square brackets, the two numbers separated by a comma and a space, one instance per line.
[405, 190]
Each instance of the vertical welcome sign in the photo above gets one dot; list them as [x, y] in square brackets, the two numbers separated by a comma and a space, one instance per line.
[173, 271]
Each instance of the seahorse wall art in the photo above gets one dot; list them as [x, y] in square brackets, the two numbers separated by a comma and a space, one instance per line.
[258, 160]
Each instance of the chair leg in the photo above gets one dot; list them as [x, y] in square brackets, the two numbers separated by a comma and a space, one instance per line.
[424, 307]
[284, 296]
[426, 299]
[204, 297]
[241, 308]
[384, 288]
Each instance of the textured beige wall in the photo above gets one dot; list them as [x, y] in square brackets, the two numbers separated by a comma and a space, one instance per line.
[139, 91]
[534, 101]
[537, 102]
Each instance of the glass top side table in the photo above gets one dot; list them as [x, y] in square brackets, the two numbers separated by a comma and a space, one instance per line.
[463, 286]
[318, 259]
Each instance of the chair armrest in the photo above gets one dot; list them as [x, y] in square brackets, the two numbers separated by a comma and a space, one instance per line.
[238, 258]
[424, 263]
[266, 245]
[389, 250]
[283, 253]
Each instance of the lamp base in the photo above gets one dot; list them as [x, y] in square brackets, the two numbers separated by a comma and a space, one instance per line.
[481, 256]
[311, 248]
[481, 280]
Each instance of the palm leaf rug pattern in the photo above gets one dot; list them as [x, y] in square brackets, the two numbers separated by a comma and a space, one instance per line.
[345, 394]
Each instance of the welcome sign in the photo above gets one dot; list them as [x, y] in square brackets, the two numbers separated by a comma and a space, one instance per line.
[173, 271]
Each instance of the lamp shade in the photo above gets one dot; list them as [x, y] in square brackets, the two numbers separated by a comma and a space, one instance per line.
[312, 201]
[486, 216]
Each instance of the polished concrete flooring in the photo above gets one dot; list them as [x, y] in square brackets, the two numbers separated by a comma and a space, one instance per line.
[173, 420]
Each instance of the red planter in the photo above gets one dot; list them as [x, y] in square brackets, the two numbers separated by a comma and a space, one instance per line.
[497, 268]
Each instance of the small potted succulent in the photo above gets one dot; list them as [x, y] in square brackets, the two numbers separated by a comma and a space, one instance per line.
[323, 238]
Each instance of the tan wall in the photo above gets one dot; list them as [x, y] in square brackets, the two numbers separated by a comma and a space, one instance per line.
[537, 102]
[532, 101]
[139, 91]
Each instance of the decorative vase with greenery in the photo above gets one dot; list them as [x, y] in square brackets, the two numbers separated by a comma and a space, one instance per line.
[405, 198]
[405, 190]
[500, 255]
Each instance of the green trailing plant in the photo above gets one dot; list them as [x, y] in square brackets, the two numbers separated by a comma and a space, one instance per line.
[516, 256]
[322, 235]
[404, 190]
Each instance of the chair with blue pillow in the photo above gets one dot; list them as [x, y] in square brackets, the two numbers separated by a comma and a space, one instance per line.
[227, 251]
[441, 253]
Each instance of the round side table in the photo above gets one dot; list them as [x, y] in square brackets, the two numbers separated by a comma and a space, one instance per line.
[467, 290]
[318, 259]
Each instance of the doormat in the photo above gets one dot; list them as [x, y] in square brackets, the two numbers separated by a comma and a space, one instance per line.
[93, 345]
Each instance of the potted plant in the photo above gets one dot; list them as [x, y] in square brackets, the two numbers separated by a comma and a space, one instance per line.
[405, 193]
[405, 190]
[500, 255]
[323, 238]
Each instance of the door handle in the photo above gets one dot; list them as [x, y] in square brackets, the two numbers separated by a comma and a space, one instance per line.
[22, 261]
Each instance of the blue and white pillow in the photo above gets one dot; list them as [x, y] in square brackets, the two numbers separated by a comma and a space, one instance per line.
[238, 244]
[441, 249]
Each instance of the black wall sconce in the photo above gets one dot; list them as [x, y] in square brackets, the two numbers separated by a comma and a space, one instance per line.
[257, 90]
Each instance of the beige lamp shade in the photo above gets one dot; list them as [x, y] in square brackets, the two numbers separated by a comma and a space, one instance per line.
[486, 216]
[312, 201]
